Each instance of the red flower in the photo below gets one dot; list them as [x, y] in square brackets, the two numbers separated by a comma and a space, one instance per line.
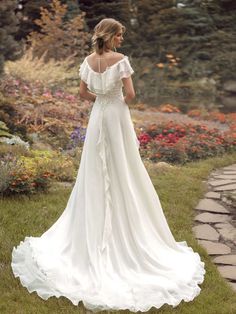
[144, 138]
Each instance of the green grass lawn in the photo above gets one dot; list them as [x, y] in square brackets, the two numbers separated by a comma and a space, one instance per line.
[179, 190]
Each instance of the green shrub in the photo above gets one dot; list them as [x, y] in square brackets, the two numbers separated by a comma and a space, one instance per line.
[16, 178]
[13, 150]
[30, 171]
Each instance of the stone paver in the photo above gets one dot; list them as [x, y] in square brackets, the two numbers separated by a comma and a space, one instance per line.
[228, 272]
[209, 217]
[233, 167]
[216, 213]
[226, 259]
[205, 231]
[226, 176]
[214, 195]
[222, 225]
[228, 233]
[227, 187]
[229, 172]
[215, 248]
[220, 182]
[211, 206]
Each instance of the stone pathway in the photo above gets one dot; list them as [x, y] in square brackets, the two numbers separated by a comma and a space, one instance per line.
[215, 222]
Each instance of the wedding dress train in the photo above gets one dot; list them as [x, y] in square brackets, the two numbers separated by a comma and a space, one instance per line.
[111, 248]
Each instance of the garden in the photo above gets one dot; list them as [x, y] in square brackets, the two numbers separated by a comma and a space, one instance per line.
[43, 124]
[42, 132]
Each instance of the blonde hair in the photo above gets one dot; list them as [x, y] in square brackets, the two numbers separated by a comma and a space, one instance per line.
[104, 32]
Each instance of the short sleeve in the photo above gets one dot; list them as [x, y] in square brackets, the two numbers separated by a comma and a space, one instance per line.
[83, 71]
[124, 68]
[102, 83]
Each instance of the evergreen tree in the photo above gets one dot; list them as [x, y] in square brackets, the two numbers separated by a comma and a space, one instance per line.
[119, 10]
[28, 11]
[10, 49]
[58, 37]
[200, 32]
[73, 8]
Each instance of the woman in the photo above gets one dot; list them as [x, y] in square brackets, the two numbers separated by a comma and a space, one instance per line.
[104, 45]
[112, 247]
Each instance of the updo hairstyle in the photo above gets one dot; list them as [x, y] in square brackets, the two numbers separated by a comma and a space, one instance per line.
[104, 32]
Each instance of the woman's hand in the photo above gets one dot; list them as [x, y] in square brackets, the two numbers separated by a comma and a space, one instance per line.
[128, 99]
[85, 93]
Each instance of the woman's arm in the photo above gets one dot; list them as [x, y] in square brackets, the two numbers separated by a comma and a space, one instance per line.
[84, 93]
[129, 89]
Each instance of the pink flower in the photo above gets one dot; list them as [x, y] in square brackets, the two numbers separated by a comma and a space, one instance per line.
[71, 97]
[47, 94]
[25, 87]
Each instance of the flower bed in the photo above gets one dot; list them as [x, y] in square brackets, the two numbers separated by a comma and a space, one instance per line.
[229, 118]
[33, 170]
[16, 178]
[180, 143]
[52, 114]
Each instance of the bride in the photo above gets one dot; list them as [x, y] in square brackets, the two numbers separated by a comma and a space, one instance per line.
[111, 248]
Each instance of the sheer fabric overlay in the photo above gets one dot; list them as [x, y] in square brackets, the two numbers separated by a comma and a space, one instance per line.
[111, 247]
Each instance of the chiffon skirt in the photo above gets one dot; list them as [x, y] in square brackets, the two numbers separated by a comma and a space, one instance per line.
[111, 248]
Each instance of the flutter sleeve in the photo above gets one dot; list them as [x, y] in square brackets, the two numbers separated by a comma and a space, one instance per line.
[83, 71]
[124, 68]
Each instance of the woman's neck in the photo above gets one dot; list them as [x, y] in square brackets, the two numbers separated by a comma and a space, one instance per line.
[108, 52]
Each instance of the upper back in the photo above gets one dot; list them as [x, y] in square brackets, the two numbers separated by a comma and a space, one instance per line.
[113, 70]
[99, 63]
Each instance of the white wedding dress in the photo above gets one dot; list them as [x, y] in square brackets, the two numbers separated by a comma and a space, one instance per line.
[111, 248]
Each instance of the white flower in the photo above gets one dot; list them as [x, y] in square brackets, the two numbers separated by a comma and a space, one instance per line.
[181, 5]
[15, 140]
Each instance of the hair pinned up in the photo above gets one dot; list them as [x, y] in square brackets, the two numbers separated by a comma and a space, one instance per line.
[100, 42]
[104, 32]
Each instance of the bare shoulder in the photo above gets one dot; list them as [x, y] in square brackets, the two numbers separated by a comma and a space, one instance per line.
[112, 56]
[118, 56]
[91, 55]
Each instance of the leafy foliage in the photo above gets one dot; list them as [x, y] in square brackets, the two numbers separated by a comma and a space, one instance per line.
[201, 33]
[8, 114]
[59, 38]
[51, 114]
[27, 173]
[53, 73]
[4, 131]
[119, 10]
[28, 11]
